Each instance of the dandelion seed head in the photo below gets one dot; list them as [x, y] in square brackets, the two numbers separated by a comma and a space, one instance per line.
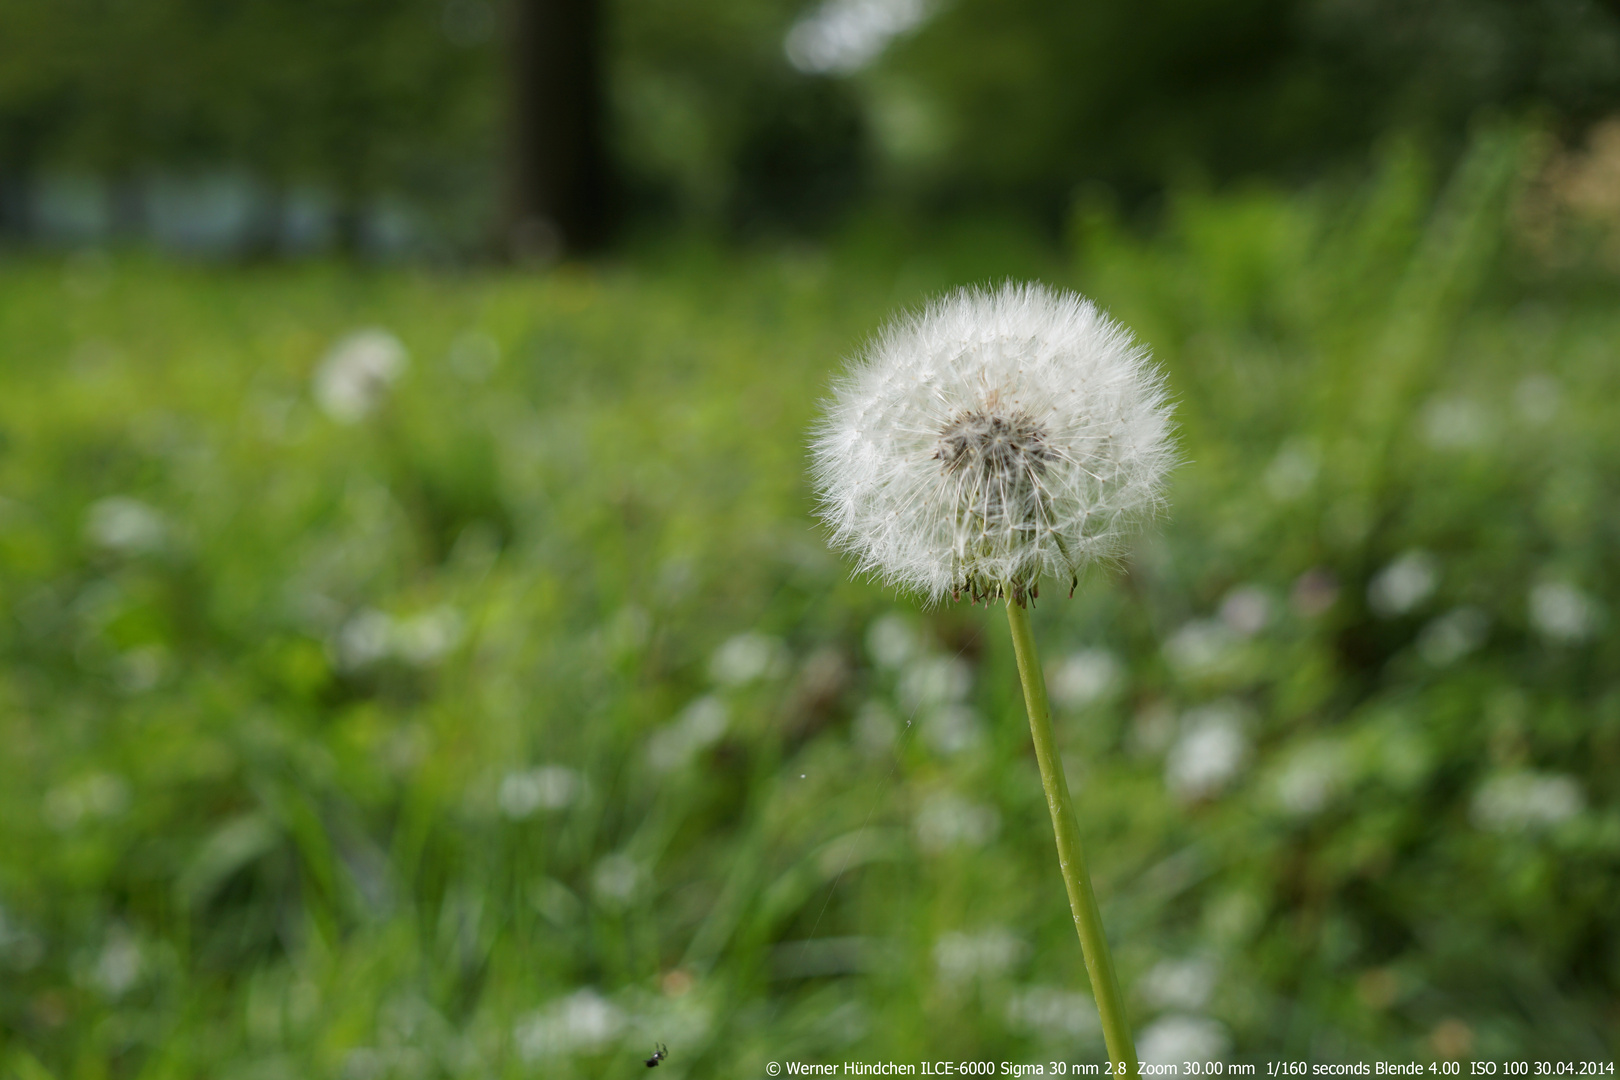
[995, 438]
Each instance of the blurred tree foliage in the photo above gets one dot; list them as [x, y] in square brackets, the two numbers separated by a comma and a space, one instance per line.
[1001, 102]
[1022, 99]
[356, 97]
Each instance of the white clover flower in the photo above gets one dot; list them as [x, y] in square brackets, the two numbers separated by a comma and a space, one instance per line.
[995, 438]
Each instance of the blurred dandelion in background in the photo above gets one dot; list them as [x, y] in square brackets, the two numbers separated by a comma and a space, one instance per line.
[1453, 635]
[699, 726]
[891, 641]
[1246, 610]
[1212, 749]
[1186, 983]
[1084, 677]
[747, 658]
[1404, 584]
[1200, 647]
[1312, 777]
[126, 526]
[947, 820]
[1292, 473]
[582, 1022]
[1055, 1014]
[1456, 424]
[1524, 801]
[1537, 399]
[354, 377]
[545, 787]
[990, 953]
[1171, 1040]
[1564, 614]
[616, 879]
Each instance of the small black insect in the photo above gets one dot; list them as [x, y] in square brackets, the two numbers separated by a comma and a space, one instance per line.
[660, 1052]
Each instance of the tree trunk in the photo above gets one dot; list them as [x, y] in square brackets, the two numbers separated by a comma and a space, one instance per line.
[558, 202]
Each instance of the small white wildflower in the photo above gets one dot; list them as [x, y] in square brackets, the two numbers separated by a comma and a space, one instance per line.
[356, 374]
[1521, 801]
[616, 879]
[1171, 1040]
[951, 729]
[548, 787]
[1292, 472]
[744, 658]
[1085, 677]
[365, 639]
[996, 438]
[891, 641]
[875, 729]
[97, 796]
[1563, 613]
[1311, 778]
[125, 525]
[1180, 984]
[947, 820]
[699, 726]
[21, 949]
[1212, 750]
[964, 957]
[1246, 610]
[1455, 424]
[120, 964]
[934, 681]
[1537, 398]
[1055, 1013]
[142, 668]
[1403, 584]
[1453, 635]
[423, 639]
[1200, 647]
[583, 1021]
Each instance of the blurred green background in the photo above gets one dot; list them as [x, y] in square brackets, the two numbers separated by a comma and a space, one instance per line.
[423, 662]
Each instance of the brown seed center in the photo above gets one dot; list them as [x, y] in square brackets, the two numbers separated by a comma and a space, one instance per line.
[994, 445]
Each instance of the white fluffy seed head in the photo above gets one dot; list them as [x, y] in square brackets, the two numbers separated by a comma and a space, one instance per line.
[994, 439]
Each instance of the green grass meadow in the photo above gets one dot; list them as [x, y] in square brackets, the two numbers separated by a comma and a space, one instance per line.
[526, 720]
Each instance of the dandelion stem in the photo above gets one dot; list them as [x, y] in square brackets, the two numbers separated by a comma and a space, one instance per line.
[1082, 901]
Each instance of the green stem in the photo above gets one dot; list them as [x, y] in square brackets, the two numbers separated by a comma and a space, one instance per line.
[1082, 901]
